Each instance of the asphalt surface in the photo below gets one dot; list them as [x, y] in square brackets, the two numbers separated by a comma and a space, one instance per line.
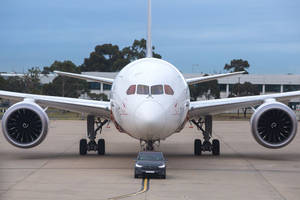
[244, 170]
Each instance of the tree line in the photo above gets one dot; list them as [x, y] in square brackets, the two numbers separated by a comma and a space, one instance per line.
[104, 58]
[110, 58]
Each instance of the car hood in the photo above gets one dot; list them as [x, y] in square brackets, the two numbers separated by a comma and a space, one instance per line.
[146, 163]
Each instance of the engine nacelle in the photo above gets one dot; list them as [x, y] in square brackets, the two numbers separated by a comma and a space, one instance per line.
[25, 124]
[274, 125]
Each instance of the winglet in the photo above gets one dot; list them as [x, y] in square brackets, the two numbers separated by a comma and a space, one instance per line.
[86, 77]
[201, 79]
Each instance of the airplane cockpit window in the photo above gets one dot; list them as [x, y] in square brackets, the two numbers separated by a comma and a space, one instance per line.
[131, 90]
[157, 89]
[143, 89]
[169, 90]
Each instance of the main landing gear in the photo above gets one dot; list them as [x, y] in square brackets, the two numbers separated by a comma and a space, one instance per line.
[85, 146]
[213, 146]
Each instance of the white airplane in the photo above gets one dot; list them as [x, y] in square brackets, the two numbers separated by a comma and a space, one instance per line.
[150, 101]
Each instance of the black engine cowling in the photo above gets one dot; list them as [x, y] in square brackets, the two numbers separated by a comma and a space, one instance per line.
[274, 125]
[25, 124]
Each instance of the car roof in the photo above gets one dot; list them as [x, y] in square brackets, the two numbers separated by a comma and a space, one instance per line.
[150, 152]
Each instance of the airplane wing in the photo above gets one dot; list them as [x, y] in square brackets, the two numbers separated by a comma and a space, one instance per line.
[201, 108]
[86, 77]
[97, 108]
[202, 79]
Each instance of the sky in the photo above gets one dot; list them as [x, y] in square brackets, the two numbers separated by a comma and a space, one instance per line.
[194, 35]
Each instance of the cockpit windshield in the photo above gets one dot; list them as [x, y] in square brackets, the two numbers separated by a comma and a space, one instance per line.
[143, 89]
[131, 90]
[157, 89]
[169, 90]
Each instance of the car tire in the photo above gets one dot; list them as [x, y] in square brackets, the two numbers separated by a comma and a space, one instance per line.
[135, 174]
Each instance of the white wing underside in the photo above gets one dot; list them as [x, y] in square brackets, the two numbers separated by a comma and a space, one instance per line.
[97, 108]
[201, 108]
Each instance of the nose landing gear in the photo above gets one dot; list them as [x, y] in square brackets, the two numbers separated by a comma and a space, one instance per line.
[85, 146]
[148, 145]
[213, 146]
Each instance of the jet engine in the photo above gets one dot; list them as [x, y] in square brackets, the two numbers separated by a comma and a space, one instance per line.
[25, 124]
[274, 125]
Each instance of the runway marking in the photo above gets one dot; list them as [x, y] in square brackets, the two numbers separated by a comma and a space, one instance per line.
[145, 188]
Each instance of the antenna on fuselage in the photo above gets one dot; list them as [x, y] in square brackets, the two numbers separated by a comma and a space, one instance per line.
[149, 42]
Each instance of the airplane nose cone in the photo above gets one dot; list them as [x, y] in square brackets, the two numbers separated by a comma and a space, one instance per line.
[150, 119]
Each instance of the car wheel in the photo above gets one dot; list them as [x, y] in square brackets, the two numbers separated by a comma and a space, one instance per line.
[135, 175]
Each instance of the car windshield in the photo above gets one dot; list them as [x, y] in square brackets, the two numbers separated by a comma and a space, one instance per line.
[151, 156]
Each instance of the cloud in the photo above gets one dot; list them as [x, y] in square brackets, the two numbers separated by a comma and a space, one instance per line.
[182, 30]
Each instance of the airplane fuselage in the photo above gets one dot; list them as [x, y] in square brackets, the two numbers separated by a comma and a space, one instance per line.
[150, 99]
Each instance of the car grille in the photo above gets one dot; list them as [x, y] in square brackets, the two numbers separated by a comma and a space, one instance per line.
[149, 167]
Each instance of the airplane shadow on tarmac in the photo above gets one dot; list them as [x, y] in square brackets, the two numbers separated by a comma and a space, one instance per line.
[170, 156]
[238, 156]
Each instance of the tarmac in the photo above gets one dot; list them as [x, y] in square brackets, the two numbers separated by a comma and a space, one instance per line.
[55, 170]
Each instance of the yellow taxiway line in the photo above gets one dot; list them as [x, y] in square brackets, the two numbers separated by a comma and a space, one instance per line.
[145, 188]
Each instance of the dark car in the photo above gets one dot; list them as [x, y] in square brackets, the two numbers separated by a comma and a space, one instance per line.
[150, 164]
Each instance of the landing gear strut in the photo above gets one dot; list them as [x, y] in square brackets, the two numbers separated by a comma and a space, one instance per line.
[85, 146]
[149, 144]
[213, 146]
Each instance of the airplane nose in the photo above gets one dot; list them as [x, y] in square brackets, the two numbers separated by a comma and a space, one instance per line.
[150, 119]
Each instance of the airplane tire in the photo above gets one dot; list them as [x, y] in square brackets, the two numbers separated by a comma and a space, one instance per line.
[197, 147]
[83, 147]
[101, 147]
[215, 147]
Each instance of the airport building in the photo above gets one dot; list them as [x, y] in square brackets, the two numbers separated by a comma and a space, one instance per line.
[266, 84]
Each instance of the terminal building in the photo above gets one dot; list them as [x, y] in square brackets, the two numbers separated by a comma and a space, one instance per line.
[266, 84]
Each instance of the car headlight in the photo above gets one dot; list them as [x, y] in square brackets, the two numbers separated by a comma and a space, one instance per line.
[139, 166]
[162, 166]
